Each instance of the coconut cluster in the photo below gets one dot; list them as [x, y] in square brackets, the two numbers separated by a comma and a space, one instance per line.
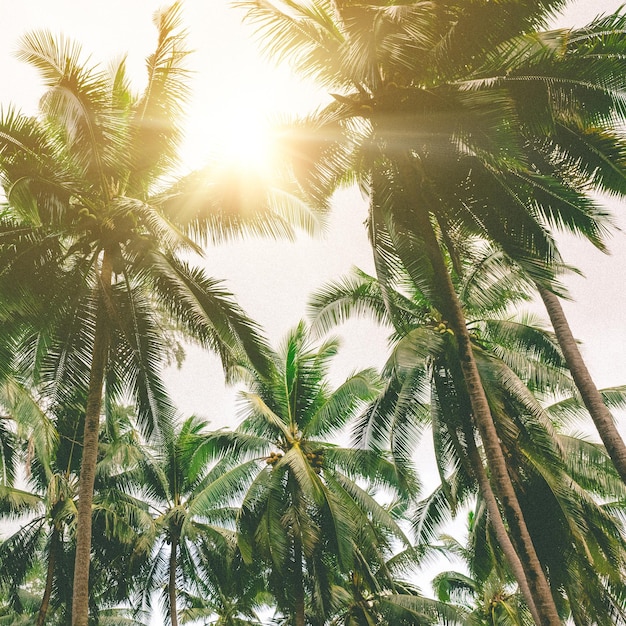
[442, 328]
[273, 458]
[316, 460]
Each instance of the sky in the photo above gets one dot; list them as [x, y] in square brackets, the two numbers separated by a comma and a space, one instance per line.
[231, 82]
[272, 279]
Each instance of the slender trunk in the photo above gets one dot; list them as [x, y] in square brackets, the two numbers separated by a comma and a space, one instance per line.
[495, 518]
[298, 576]
[299, 582]
[539, 587]
[171, 587]
[600, 414]
[52, 556]
[80, 598]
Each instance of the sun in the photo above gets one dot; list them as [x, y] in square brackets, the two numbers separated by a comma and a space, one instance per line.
[246, 143]
[237, 139]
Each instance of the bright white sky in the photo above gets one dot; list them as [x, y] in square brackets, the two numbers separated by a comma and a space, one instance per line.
[273, 279]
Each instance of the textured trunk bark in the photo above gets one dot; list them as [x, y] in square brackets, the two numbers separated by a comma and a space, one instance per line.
[600, 414]
[495, 518]
[518, 532]
[52, 555]
[80, 597]
[171, 587]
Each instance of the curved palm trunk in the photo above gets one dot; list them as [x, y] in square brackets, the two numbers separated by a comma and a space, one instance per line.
[171, 586]
[80, 598]
[518, 532]
[495, 517]
[52, 556]
[600, 414]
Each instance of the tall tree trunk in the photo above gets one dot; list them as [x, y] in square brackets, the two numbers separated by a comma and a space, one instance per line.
[299, 582]
[600, 414]
[503, 486]
[495, 518]
[171, 586]
[52, 556]
[80, 598]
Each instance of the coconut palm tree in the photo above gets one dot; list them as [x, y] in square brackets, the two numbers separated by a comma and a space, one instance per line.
[515, 358]
[459, 114]
[94, 242]
[419, 388]
[577, 530]
[44, 507]
[44, 544]
[307, 512]
[485, 588]
[229, 591]
[601, 415]
[379, 592]
[192, 525]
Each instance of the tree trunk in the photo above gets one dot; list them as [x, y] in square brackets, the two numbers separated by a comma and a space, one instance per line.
[52, 555]
[299, 583]
[80, 598]
[171, 587]
[600, 414]
[518, 531]
[495, 519]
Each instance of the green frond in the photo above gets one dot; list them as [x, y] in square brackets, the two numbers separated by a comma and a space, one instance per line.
[595, 155]
[216, 490]
[375, 469]
[15, 503]
[364, 506]
[137, 358]
[215, 204]
[492, 283]
[304, 34]
[155, 120]
[588, 463]
[416, 348]
[32, 421]
[206, 310]
[19, 552]
[154, 226]
[452, 584]
[356, 294]
[571, 410]
[227, 447]
[343, 403]
[419, 609]
[274, 424]
[78, 100]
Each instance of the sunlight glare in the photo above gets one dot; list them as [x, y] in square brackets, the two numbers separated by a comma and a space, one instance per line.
[243, 141]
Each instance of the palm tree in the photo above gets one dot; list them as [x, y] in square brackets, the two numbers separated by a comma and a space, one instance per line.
[599, 412]
[379, 592]
[44, 544]
[190, 518]
[574, 514]
[92, 243]
[515, 358]
[229, 591]
[434, 116]
[425, 358]
[486, 589]
[303, 513]
[45, 508]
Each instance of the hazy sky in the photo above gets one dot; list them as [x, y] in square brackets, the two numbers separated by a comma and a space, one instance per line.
[273, 279]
